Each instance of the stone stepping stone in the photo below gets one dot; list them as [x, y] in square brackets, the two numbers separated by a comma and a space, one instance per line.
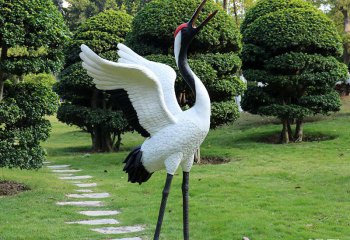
[82, 204]
[46, 162]
[99, 213]
[134, 238]
[58, 166]
[89, 195]
[95, 222]
[65, 175]
[118, 230]
[84, 190]
[66, 171]
[76, 177]
[83, 185]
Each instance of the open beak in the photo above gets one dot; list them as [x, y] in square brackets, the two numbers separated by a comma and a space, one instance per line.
[192, 22]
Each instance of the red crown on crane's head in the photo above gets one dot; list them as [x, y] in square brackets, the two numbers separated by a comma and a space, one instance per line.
[191, 25]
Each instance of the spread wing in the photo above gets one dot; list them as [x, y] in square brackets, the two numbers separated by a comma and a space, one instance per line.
[137, 82]
[165, 74]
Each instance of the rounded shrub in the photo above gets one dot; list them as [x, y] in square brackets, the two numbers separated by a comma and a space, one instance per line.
[101, 33]
[292, 49]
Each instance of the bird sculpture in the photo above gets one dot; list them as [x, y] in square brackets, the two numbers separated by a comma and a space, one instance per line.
[145, 90]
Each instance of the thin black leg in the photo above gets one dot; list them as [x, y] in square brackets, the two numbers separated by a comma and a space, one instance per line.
[166, 191]
[185, 187]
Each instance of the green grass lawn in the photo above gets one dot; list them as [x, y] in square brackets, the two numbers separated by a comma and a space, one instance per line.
[267, 192]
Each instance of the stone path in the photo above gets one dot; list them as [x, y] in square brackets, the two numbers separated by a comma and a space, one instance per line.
[84, 193]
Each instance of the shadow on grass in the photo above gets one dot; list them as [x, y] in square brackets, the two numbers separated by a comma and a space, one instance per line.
[246, 140]
[68, 150]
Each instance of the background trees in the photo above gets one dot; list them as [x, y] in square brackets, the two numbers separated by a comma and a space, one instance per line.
[85, 106]
[237, 8]
[291, 48]
[80, 10]
[152, 35]
[32, 34]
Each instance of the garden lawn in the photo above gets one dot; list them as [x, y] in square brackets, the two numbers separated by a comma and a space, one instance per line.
[267, 191]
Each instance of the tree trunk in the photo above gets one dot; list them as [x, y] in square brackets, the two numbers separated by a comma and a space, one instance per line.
[298, 136]
[235, 12]
[1, 88]
[225, 5]
[118, 142]
[101, 139]
[2, 74]
[290, 132]
[284, 134]
[346, 54]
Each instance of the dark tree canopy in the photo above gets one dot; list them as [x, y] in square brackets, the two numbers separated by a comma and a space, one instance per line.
[213, 53]
[85, 106]
[292, 49]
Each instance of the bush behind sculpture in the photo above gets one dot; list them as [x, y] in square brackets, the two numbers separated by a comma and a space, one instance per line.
[85, 106]
[213, 53]
[101, 33]
[154, 27]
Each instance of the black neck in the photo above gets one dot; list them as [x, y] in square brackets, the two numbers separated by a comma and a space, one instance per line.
[184, 68]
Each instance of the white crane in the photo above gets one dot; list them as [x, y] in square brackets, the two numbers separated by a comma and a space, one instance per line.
[146, 91]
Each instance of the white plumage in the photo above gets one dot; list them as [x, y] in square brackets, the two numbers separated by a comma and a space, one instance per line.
[175, 134]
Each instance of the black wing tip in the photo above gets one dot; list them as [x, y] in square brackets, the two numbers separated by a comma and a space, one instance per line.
[137, 173]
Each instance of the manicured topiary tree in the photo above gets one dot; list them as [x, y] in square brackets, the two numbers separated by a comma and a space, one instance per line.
[214, 51]
[292, 49]
[32, 34]
[32, 37]
[85, 106]
[23, 125]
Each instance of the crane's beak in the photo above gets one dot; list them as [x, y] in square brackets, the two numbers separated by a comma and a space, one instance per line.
[192, 22]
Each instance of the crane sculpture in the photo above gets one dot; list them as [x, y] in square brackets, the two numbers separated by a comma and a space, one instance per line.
[145, 90]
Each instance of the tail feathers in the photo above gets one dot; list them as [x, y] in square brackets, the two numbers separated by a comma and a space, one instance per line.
[134, 167]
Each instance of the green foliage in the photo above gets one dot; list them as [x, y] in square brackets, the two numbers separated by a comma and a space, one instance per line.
[32, 37]
[223, 113]
[101, 33]
[43, 78]
[223, 63]
[265, 7]
[291, 48]
[85, 118]
[298, 30]
[214, 52]
[74, 84]
[22, 124]
[32, 25]
[81, 10]
[155, 24]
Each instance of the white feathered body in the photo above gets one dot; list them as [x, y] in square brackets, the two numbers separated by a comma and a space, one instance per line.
[174, 145]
